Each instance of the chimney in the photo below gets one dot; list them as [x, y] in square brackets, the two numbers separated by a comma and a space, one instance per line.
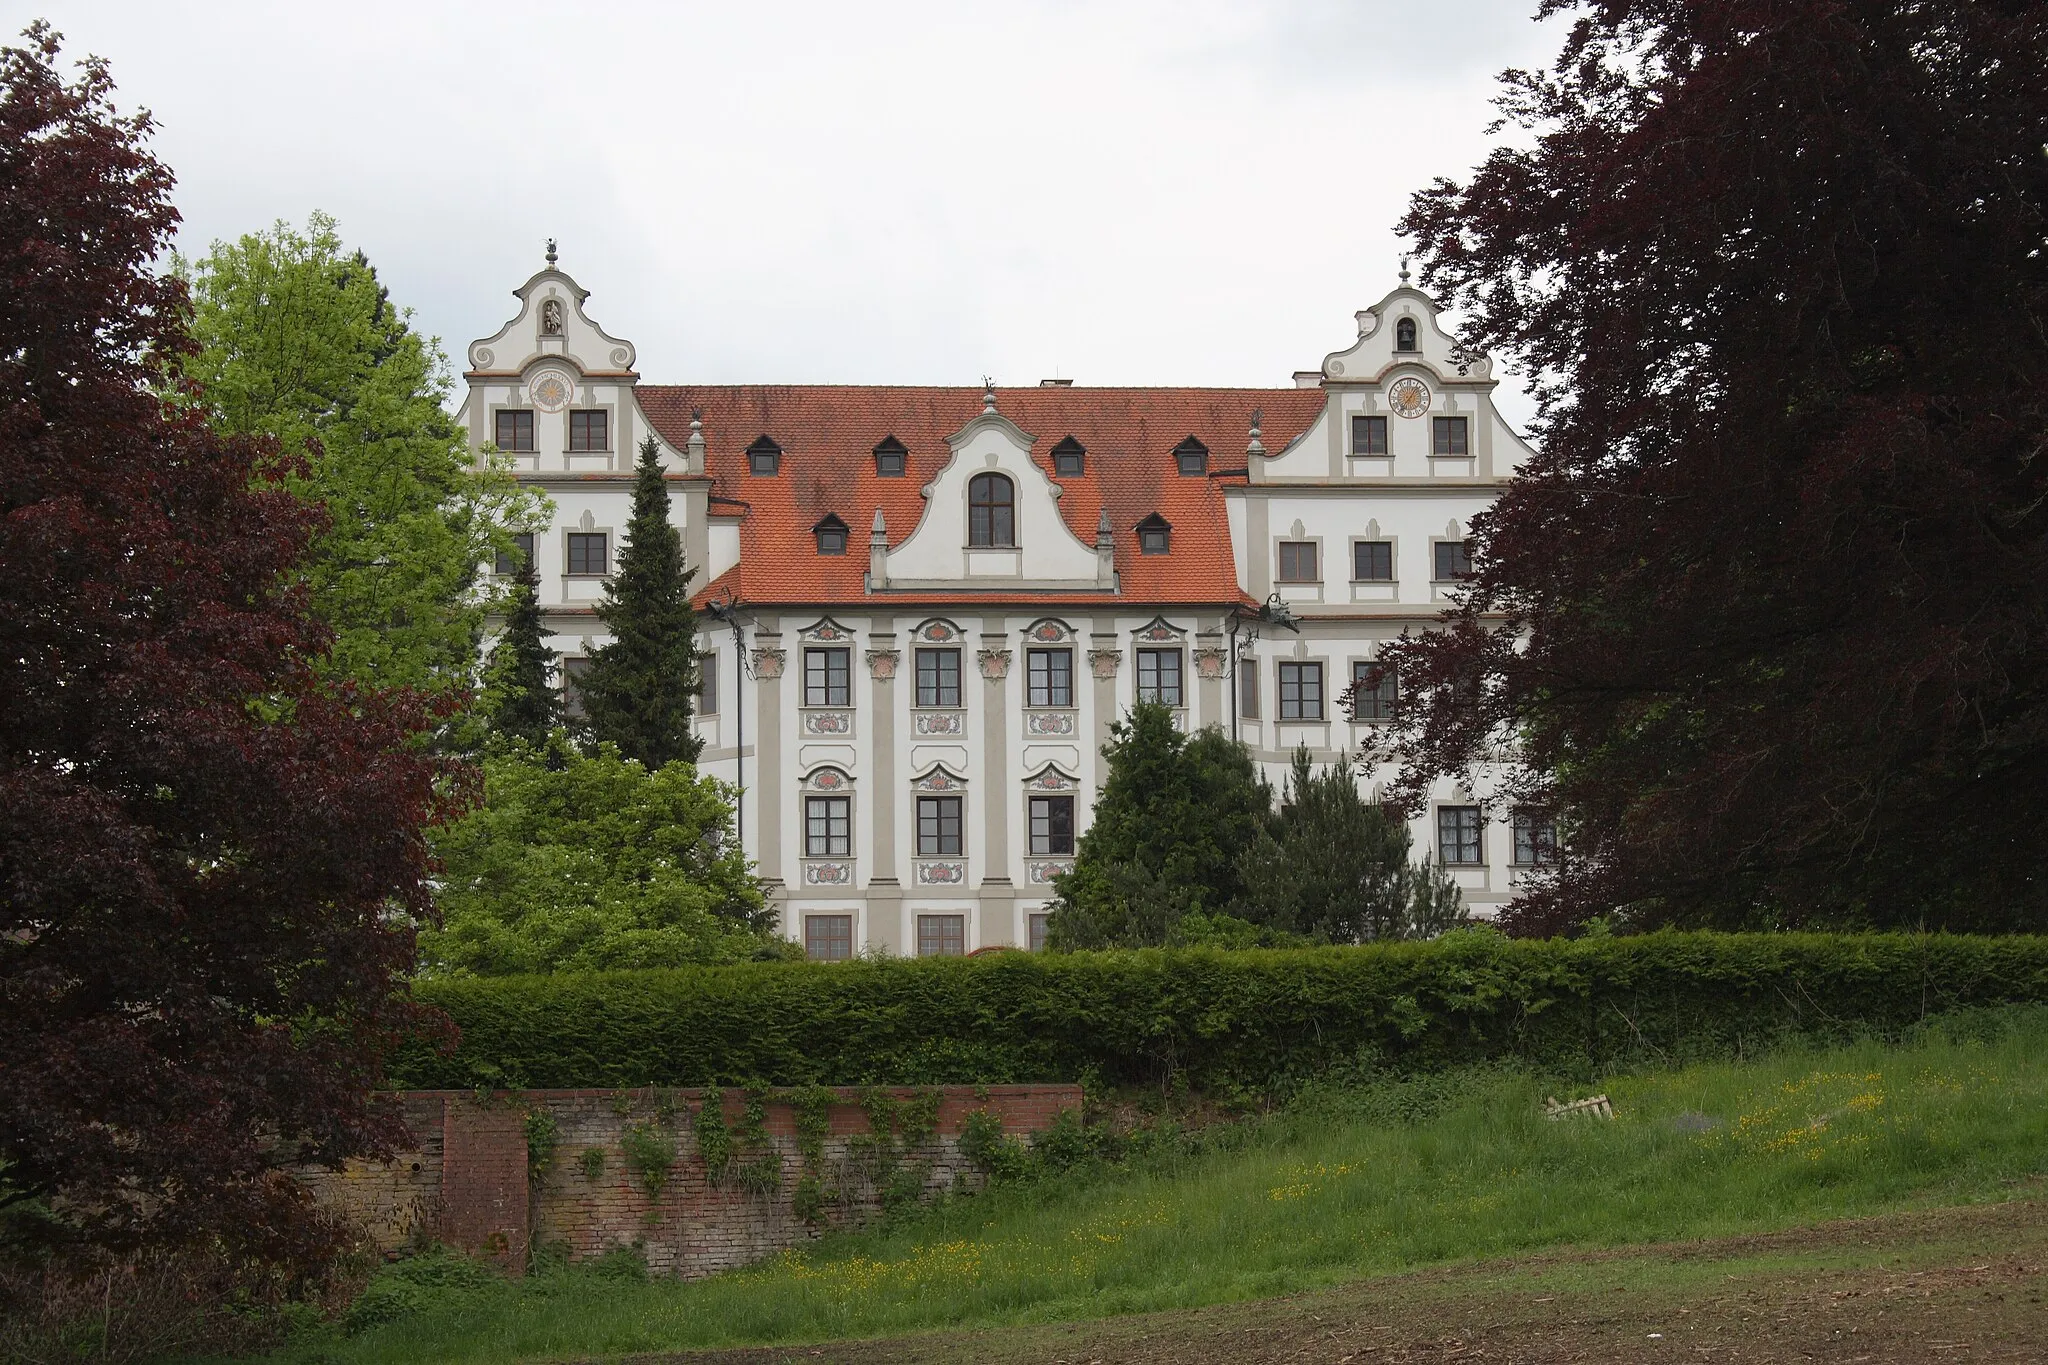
[1105, 553]
[878, 555]
[693, 453]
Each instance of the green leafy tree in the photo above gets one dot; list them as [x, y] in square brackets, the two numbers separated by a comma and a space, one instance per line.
[1174, 813]
[585, 861]
[300, 342]
[520, 699]
[1334, 867]
[639, 689]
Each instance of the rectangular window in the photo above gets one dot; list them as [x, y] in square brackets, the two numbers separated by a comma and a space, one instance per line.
[938, 677]
[1052, 824]
[1372, 691]
[515, 430]
[1457, 836]
[1447, 436]
[1248, 689]
[589, 553]
[828, 938]
[1301, 691]
[828, 826]
[1159, 676]
[1298, 562]
[1034, 927]
[572, 686]
[520, 553]
[1535, 838]
[1453, 560]
[1372, 561]
[1368, 436]
[941, 935]
[938, 826]
[1049, 677]
[707, 683]
[827, 677]
[589, 430]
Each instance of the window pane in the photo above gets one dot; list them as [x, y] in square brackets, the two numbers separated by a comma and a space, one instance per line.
[1372, 691]
[1453, 560]
[828, 826]
[1535, 838]
[1301, 691]
[1457, 835]
[938, 677]
[1052, 824]
[1368, 435]
[572, 691]
[1035, 928]
[1050, 677]
[1248, 689]
[1372, 561]
[589, 431]
[1159, 676]
[941, 935]
[828, 938]
[990, 511]
[707, 683]
[520, 553]
[827, 677]
[515, 430]
[938, 825]
[1447, 436]
[831, 541]
[1298, 561]
[587, 552]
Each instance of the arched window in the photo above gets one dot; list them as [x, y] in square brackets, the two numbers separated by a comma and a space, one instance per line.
[991, 511]
[1404, 335]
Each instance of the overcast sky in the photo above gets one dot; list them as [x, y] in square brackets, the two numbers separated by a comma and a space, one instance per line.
[1116, 193]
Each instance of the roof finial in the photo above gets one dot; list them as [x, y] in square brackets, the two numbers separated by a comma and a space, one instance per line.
[1404, 270]
[1256, 446]
[988, 394]
[551, 253]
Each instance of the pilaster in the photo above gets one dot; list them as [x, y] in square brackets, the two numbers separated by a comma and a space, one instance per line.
[993, 659]
[884, 892]
[770, 779]
[1105, 655]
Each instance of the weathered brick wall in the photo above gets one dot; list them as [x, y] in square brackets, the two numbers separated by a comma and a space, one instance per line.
[469, 1184]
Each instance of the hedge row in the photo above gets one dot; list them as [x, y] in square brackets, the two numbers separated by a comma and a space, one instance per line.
[1224, 1021]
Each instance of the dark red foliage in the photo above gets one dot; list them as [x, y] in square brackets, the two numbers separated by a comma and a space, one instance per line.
[209, 866]
[1768, 615]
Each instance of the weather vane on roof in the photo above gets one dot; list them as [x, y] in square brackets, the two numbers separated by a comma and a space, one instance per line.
[551, 253]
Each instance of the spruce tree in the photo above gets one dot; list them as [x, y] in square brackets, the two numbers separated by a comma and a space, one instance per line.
[638, 691]
[520, 699]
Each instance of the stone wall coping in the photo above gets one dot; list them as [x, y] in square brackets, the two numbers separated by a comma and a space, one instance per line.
[853, 1092]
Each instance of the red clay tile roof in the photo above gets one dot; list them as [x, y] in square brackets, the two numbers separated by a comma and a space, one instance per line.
[828, 433]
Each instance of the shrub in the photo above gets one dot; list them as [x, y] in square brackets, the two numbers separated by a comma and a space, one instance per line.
[1225, 1023]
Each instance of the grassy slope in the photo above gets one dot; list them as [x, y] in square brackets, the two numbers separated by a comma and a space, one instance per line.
[1328, 1193]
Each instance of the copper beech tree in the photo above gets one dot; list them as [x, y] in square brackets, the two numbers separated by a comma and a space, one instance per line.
[1768, 616]
[210, 861]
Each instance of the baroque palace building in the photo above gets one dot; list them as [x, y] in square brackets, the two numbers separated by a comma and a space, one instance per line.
[924, 607]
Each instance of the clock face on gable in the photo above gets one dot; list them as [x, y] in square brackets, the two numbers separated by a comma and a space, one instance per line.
[1408, 397]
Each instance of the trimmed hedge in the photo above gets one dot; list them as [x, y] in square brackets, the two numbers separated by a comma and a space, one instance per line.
[1225, 1022]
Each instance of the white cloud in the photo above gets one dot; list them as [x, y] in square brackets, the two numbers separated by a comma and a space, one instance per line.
[1187, 193]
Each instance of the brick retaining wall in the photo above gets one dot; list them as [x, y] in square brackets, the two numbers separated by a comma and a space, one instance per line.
[469, 1185]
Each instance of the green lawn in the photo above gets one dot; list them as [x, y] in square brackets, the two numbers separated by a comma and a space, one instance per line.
[1338, 1188]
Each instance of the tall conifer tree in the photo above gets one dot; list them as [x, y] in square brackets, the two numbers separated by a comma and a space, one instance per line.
[520, 699]
[639, 689]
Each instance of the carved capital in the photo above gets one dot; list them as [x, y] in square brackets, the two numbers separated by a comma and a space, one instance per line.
[768, 663]
[1210, 661]
[882, 663]
[1104, 662]
[995, 664]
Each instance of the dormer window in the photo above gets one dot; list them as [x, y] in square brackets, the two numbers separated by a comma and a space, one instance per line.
[890, 458]
[1154, 535]
[1069, 459]
[1192, 457]
[831, 534]
[1404, 335]
[764, 458]
[991, 512]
